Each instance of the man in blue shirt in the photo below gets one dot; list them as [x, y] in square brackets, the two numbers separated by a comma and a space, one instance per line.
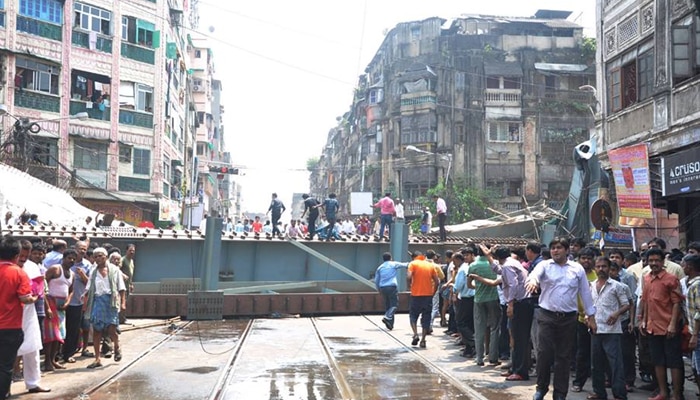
[331, 207]
[387, 286]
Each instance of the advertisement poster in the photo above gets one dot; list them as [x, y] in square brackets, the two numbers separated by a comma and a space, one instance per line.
[630, 166]
[681, 172]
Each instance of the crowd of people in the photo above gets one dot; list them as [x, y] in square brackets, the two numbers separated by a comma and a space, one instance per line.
[561, 310]
[52, 296]
[328, 225]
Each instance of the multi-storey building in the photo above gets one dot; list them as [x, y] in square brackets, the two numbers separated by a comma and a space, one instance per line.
[124, 64]
[493, 102]
[648, 84]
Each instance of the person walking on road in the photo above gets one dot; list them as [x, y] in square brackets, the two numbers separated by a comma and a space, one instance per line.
[561, 282]
[387, 286]
[277, 208]
[423, 281]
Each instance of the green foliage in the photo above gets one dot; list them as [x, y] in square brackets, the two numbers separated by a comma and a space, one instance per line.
[312, 163]
[464, 202]
[588, 47]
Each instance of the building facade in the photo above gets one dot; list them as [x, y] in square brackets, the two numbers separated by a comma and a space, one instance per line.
[490, 102]
[648, 86]
[125, 64]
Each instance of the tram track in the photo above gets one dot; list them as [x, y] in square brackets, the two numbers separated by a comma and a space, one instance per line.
[92, 390]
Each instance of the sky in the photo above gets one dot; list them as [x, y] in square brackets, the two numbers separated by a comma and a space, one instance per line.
[288, 69]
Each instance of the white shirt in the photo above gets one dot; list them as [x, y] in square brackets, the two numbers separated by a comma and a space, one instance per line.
[441, 206]
[611, 297]
[102, 286]
[398, 207]
[348, 227]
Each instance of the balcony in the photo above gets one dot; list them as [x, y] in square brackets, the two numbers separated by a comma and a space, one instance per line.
[418, 101]
[82, 39]
[77, 106]
[138, 53]
[39, 28]
[37, 101]
[502, 97]
[136, 118]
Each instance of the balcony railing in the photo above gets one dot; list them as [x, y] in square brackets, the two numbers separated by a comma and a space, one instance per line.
[77, 106]
[138, 53]
[136, 118]
[82, 39]
[40, 28]
[502, 97]
[37, 101]
[426, 100]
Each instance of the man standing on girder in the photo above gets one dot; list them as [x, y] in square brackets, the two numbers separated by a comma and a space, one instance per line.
[311, 205]
[277, 208]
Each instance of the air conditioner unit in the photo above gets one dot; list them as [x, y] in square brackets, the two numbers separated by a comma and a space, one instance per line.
[196, 88]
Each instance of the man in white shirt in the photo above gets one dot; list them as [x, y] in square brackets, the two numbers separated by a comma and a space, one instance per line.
[293, 230]
[441, 208]
[348, 227]
[398, 208]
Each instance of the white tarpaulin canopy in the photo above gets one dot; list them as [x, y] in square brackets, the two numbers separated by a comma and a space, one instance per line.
[21, 192]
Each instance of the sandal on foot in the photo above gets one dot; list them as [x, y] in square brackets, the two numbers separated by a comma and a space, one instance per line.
[576, 389]
[415, 340]
[69, 360]
[95, 365]
[118, 355]
[422, 344]
[595, 397]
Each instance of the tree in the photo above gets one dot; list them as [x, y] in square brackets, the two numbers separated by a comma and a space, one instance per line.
[464, 202]
[312, 163]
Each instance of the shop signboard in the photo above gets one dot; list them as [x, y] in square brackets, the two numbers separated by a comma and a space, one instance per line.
[681, 172]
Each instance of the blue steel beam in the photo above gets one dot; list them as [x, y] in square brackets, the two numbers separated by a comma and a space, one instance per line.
[332, 263]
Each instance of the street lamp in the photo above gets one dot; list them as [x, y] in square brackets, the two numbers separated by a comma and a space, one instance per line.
[445, 157]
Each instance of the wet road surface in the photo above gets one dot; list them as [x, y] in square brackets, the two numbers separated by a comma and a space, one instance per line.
[350, 357]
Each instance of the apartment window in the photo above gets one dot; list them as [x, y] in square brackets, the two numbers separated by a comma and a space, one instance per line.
[504, 131]
[200, 117]
[144, 98]
[200, 149]
[142, 161]
[91, 18]
[166, 169]
[630, 77]
[90, 155]
[376, 96]
[415, 33]
[44, 151]
[685, 38]
[43, 10]
[34, 75]
[198, 54]
[139, 32]
[505, 188]
[125, 154]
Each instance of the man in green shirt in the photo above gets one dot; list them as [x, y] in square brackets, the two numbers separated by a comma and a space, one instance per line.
[487, 310]
[127, 268]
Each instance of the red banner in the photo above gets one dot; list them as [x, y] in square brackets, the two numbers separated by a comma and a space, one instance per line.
[630, 166]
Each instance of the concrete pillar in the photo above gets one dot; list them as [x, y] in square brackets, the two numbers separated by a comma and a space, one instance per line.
[399, 249]
[211, 257]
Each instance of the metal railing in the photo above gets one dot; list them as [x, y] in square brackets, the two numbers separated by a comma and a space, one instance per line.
[77, 106]
[82, 39]
[37, 101]
[138, 53]
[502, 97]
[136, 118]
[40, 28]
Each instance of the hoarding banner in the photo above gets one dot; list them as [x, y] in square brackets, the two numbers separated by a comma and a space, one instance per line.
[630, 166]
[681, 172]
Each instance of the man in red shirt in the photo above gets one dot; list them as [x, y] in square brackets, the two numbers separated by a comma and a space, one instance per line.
[423, 280]
[14, 290]
[661, 312]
